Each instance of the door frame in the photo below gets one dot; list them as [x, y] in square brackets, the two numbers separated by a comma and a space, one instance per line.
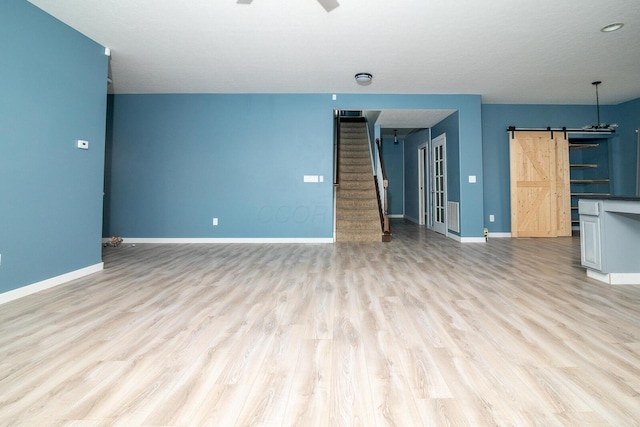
[423, 183]
[439, 140]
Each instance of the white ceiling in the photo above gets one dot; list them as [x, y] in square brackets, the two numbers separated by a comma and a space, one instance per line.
[404, 122]
[529, 51]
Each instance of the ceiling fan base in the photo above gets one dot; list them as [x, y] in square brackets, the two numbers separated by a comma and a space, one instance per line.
[328, 5]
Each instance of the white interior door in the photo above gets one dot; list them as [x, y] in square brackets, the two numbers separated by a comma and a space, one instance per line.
[439, 184]
[422, 210]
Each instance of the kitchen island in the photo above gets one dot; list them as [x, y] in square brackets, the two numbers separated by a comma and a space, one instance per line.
[610, 238]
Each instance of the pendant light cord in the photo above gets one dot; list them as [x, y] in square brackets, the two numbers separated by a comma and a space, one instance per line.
[597, 102]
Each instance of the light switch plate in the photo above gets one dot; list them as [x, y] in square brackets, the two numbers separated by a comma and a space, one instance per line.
[472, 179]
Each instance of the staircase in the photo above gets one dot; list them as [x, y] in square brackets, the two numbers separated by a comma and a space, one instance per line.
[357, 212]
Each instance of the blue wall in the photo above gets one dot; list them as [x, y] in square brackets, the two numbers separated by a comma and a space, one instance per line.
[449, 127]
[470, 140]
[495, 154]
[411, 144]
[180, 160]
[624, 153]
[52, 93]
[392, 155]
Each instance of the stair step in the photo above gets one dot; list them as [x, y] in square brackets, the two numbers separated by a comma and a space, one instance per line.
[352, 159]
[356, 137]
[349, 215]
[361, 169]
[356, 176]
[353, 147]
[369, 238]
[357, 214]
[356, 225]
[368, 186]
[357, 160]
[356, 190]
[359, 205]
[372, 234]
[351, 154]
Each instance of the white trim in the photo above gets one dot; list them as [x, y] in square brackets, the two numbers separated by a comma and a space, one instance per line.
[422, 203]
[466, 239]
[454, 237]
[225, 240]
[397, 216]
[499, 235]
[439, 140]
[49, 283]
[473, 240]
[615, 278]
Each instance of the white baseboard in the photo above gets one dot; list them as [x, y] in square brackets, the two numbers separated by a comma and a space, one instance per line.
[473, 240]
[615, 278]
[499, 235]
[224, 240]
[397, 216]
[466, 239]
[49, 283]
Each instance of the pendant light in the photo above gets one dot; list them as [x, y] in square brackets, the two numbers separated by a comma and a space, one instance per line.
[600, 126]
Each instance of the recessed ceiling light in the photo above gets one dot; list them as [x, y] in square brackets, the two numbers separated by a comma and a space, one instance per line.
[612, 27]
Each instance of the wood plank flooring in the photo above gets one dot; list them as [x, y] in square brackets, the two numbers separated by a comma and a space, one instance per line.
[422, 331]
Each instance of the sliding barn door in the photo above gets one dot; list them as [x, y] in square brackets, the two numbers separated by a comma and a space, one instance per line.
[540, 186]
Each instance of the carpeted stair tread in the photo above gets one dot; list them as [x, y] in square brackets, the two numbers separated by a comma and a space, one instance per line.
[357, 212]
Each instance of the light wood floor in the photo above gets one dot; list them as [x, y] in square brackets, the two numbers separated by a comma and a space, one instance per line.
[422, 331]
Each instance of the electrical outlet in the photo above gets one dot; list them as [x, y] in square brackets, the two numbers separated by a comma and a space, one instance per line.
[492, 218]
[215, 221]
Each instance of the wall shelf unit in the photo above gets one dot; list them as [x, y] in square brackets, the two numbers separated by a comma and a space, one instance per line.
[589, 169]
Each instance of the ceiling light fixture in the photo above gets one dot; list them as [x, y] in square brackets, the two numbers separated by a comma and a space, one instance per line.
[364, 78]
[612, 27]
[600, 126]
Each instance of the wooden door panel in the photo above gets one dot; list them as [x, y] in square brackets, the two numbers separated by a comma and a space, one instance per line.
[534, 212]
[539, 185]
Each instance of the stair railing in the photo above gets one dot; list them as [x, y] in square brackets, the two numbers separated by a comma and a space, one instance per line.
[381, 181]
